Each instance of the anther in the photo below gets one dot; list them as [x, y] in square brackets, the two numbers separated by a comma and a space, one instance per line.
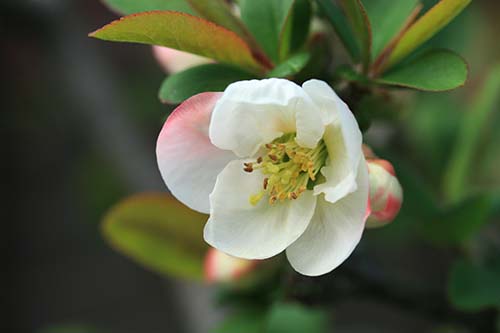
[266, 181]
[259, 159]
[273, 157]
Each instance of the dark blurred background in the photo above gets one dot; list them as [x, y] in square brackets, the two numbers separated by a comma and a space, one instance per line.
[79, 126]
[80, 119]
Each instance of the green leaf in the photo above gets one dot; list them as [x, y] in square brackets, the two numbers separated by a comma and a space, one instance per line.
[301, 24]
[341, 26]
[296, 28]
[473, 287]
[435, 70]
[461, 222]
[266, 20]
[387, 18]
[219, 12]
[291, 66]
[295, 318]
[126, 7]
[210, 77]
[158, 232]
[425, 27]
[356, 13]
[474, 123]
[182, 32]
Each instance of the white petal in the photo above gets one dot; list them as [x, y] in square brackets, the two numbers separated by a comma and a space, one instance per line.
[333, 232]
[339, 172]
[189, 163]
[342, 138]
[253, 232]
[253, 113]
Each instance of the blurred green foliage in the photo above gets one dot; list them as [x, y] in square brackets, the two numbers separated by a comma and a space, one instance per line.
[158, 232]
[281, 318]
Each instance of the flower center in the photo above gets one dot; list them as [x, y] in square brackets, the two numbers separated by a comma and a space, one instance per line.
[290, 169]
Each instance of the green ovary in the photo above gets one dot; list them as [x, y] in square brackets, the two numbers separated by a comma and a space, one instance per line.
[289, 168]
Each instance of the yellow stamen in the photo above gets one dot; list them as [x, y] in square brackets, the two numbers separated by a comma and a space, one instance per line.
[289, 169]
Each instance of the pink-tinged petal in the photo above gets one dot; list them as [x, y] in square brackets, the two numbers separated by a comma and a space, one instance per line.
[220, 267]
[173, 61]
[189, 163]
[386, 194]
[248, 231]
[334, 231]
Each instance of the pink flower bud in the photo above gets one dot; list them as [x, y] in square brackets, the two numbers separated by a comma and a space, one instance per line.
[386, 194]
[220, 267]
[173, 61]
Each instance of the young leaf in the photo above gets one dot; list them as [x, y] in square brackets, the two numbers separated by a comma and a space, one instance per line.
[301, 23]
[126, 7]
[473, 125]
[435, 70]
[358, 18]
[387, 18]
[473, 288]
[341, 26]
[182, 32]
[296, 28]
[291, 66]
[211, 77]
[426, 27]
[266, 20]
[157, 231]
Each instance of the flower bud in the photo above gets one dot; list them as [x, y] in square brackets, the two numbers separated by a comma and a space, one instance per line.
[220, 267]
[386, 194]
[173, 61]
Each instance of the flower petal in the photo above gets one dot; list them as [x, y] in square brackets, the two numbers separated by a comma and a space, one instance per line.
[173, 61]
[342, 138]
[240, 229]
[189, 163]
[333, 232]
[253, 113]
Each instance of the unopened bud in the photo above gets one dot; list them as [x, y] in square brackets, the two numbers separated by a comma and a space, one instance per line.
[173, 61]
[386, 194]
[220, 267]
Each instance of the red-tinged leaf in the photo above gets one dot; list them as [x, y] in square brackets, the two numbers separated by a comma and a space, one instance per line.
[183, 32]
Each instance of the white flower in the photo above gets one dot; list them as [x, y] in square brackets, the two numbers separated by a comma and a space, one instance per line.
[277, 166]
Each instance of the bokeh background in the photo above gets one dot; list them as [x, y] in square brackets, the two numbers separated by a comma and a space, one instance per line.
[79, 124]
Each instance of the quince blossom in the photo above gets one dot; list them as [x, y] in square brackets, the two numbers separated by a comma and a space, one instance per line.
[276, 165]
